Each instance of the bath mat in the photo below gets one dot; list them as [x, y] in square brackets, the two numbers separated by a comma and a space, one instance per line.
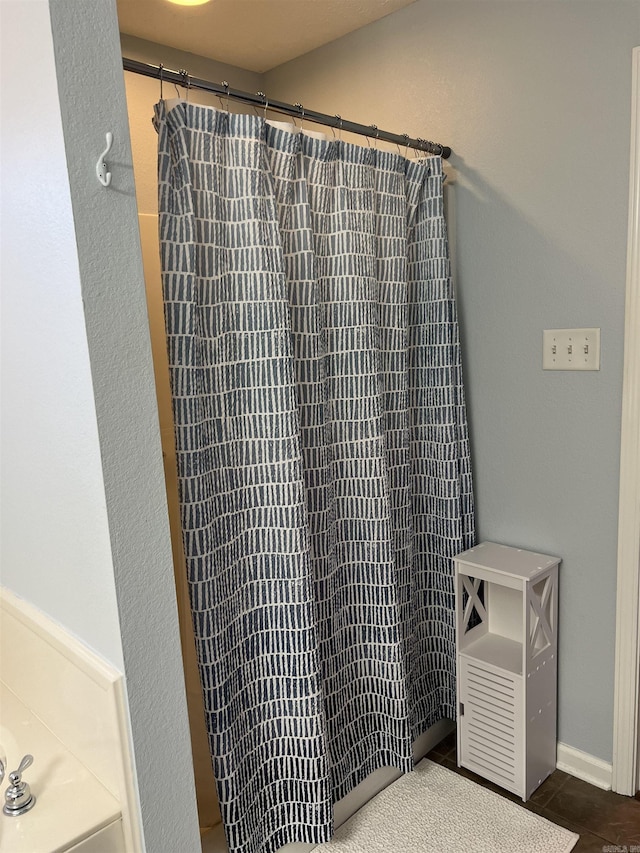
[433, 810]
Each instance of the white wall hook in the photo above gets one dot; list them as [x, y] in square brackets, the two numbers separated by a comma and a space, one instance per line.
[101, 167]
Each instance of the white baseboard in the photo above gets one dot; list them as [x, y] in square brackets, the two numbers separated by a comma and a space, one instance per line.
[584, 766]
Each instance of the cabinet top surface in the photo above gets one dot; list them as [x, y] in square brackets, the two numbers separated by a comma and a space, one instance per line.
[511, 561]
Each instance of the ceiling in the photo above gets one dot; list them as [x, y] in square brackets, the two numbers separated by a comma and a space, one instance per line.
[254, 34]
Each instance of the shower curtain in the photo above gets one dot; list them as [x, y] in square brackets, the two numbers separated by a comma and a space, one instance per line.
[323, 457]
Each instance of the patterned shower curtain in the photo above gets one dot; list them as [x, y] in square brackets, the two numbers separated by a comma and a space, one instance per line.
[323, 457]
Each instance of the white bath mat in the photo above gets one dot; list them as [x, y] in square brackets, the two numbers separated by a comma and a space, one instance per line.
[433, 810]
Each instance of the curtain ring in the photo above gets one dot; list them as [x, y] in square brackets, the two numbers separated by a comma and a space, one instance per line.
[405, 136]
[301, 108]
[433, 147]
[373, 127]
[184, 84]
[161, 73]
[266, 104]
[226, 88]
[339, 123]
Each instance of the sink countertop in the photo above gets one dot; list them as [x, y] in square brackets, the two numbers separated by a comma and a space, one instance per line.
[71, 804]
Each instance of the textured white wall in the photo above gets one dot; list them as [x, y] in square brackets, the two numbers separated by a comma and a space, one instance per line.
[534, 97]
[55, 537]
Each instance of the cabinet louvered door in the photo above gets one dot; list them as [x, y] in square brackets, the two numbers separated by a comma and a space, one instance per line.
[491, 723]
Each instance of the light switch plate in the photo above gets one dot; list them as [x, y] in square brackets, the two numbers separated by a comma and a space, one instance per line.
[571, 349]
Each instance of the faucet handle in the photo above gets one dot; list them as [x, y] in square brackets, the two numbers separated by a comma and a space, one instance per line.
[15, 777]
[18, 798]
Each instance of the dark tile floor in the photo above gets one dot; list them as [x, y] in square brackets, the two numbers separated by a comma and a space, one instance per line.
[606, 822]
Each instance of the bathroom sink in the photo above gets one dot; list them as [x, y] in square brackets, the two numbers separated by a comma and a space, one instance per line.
[72, 806]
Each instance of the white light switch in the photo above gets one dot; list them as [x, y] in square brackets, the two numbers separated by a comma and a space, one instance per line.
[571, 349]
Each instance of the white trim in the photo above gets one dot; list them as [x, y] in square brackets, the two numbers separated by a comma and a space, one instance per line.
[584, 766]
[627, 659]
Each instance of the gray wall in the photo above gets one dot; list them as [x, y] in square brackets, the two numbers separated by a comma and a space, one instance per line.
[534, 97]
[92, 102]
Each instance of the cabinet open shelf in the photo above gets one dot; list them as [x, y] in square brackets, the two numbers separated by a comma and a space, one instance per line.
[496, 650]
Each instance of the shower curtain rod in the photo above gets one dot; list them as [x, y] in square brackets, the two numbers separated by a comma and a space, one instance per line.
[182, 78]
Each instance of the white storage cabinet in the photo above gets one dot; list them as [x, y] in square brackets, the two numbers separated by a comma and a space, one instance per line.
[507, 653]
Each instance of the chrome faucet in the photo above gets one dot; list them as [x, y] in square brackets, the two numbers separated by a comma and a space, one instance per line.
[18, 798]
